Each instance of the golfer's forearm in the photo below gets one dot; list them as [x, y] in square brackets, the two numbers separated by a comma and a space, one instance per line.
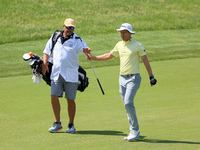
[106, 56]
[147, 65]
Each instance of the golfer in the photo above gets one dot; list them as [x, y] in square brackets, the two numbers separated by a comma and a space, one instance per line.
[64, 75]
[129, 51]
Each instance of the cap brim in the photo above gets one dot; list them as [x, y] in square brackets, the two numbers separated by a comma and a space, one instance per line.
[121, 29]
[69, 25]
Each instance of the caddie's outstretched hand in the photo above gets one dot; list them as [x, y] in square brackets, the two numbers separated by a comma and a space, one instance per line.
[153, 81]
[87, 53]
[86, 50]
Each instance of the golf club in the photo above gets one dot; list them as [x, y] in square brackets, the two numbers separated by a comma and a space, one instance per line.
[95, 75]
[97, 79]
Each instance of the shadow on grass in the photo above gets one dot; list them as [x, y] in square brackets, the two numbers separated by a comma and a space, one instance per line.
[108, 132]
[142, 139]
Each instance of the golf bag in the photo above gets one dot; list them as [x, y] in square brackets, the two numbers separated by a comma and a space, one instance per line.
[82, 79]
[36, 65]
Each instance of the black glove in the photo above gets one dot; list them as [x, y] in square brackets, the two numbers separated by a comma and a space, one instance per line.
[152, 80]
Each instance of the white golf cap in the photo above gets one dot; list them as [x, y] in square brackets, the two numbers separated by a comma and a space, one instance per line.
[126, 26]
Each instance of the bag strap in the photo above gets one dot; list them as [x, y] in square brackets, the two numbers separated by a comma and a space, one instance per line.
[55, 37]
[77, 37]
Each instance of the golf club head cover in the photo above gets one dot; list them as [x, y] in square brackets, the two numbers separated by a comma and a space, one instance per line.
[152, 80]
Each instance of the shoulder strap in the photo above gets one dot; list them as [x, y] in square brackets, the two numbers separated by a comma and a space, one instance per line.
[55, 37]
[77, 37]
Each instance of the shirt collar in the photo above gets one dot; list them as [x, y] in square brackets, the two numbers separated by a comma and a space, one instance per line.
[63, 39]
[69, 37]
[129, 41]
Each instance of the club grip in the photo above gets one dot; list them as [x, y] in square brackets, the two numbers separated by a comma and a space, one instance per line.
[100, 87]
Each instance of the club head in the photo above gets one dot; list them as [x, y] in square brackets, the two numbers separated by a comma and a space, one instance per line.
[26, 56]
[32, 63]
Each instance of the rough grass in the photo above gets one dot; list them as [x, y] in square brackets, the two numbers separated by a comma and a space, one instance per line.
[23, 20]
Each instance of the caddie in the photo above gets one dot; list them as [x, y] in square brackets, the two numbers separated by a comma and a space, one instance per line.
[64, 75]
[129, 51]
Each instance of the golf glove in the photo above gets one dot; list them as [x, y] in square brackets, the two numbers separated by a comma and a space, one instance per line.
[152, 80]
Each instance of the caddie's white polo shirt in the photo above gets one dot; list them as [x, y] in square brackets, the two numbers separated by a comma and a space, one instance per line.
[65, 58]
[129, 53]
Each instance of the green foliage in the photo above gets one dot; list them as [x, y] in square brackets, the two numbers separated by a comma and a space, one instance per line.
[24, 20]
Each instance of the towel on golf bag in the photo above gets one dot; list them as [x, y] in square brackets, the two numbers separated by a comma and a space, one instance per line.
[36, 78]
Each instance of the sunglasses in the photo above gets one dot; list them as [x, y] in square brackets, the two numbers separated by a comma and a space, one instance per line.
[69, 27]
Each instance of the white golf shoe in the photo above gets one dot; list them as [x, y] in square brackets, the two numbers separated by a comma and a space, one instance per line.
[133, 135]
[71, 129]
[56, 127]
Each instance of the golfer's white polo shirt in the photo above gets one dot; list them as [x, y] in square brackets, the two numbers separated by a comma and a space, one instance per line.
[65, 58]
[129, 53]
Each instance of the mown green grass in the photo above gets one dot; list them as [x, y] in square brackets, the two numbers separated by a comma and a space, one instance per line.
[24, 20]
[167, 29]
[168, 113]
[160, 45]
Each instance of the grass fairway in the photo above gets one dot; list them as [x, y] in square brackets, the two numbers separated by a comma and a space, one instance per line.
[168, 113]
[160, 45]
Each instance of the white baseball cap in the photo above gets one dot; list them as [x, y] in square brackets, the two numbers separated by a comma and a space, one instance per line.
[126, 26]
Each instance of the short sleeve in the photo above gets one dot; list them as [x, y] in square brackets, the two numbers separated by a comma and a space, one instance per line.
[141, 50]
[115, 51]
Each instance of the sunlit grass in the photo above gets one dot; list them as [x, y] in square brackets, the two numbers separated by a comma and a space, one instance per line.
[24, 20]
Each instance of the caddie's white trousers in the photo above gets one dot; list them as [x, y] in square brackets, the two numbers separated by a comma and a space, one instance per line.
[128, 86]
